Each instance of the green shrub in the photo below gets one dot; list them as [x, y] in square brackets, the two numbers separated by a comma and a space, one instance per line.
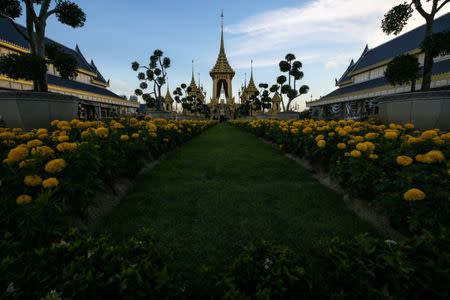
[265, 271]
[87, 267]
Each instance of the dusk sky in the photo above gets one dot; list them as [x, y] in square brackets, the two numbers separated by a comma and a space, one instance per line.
[324, 34]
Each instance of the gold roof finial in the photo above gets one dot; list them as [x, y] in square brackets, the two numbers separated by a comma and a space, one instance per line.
[192, 71]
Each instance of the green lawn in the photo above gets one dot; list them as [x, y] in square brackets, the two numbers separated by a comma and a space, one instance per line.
[223, 189]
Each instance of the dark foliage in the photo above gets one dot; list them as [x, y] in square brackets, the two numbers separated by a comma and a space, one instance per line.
[23, 66]
[403, 69]
[10, 8]
[395, 20]
[70, 13]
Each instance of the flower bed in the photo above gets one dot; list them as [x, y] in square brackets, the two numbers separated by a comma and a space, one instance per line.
[404, 171]
[47, 175]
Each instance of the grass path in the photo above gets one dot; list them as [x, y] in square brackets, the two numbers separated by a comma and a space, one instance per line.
[223, 189]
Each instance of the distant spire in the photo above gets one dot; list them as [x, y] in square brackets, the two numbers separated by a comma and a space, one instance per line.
[245, 80]
[167, 84]
[251, 70]
[193, 70]
[222, 44]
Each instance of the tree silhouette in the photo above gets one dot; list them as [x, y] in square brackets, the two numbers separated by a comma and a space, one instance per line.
[191, 103]
[155, 74]
[288, 85]
[395, 20]
[264, 93]
[33, 66]
[402, 70]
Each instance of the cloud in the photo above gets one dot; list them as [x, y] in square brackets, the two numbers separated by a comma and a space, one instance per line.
[321, 27]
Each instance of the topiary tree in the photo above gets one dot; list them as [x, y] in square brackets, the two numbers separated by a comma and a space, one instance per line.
[155, 73]
[402, 70]
[288, 85]
[33, 66]
[395, 20]
[264, 96]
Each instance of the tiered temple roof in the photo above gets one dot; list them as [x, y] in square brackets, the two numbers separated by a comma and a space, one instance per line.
[11, 38]
[222, 65]
[380, 56]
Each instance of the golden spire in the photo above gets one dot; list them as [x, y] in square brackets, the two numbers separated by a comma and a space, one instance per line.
[251, 84]
[168, 98]
[192, 80]
[222, 65]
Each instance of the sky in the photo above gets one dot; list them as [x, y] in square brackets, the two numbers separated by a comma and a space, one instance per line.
[323, 34]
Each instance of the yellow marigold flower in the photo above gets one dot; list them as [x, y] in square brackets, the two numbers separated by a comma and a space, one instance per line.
[425, 159]
[342, 146]
[23, 199]
[438, 141]
[67, 147]
[331, 134]
[409, 126]
[347, 154]
[361, 147]
[133, 121]
[43, 151]
[370, 146]
[319, 137]
[50, 183]
[351, 142]
[307, 130]
[54, 122]
[371, 135]
[342, 132]
[32, 180]
[355, 153]
[33, 143]
[43, 136]
[404, 160]
[348, 128]
[102, 132]
[63, 138]
[358, 138]
[124, 137]
[135, 136]
[446, 136]
[373, 156]
[414, 195]
[436, 155]
[152, 134]
[17, 154]
[7, 135]
[63, 124]
[55, 166]
[151, 127]
[118, 126]
[390, 135]
[429, 134]
[294, 130]
[321, 144]
[413, 140]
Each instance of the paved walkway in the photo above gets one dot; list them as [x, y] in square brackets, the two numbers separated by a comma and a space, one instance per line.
[224, 189]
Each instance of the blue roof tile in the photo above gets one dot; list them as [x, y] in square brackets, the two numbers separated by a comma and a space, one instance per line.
[76, 85]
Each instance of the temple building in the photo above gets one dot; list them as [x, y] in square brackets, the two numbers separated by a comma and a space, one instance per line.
[222, 103]
[248, 91]
[363, 81]
[90, 86]
[168, 101]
